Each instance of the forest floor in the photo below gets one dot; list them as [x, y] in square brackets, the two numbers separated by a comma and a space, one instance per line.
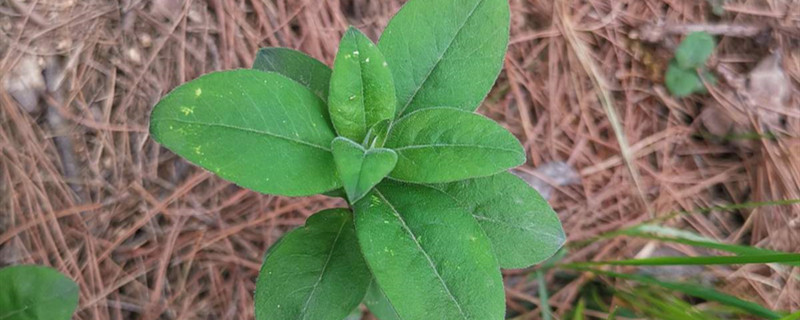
[149, 236]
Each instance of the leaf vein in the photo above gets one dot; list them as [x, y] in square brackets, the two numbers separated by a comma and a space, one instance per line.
[233, 127]
[531, 229]
[442, 145]
[439, 59]
[324, 268]
[424, 253]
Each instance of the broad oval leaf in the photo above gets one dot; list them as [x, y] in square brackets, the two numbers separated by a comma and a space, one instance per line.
[29, 292]
[297, 66]
[522, 227]
[429, 256]
[445, 53]
[694, 50]
[444, 144]
[257, 129]
[315, 272]
[360, 169]
[361, 89]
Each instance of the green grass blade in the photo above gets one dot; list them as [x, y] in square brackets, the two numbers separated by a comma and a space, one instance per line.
[645, 300]
[547, 313]
[579, 310]
[613, 314]
[693, 290]
[793, 316]
[707, 260]
[670, 215]
[667, 234]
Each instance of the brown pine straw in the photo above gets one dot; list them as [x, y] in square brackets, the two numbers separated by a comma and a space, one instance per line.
[148, 236]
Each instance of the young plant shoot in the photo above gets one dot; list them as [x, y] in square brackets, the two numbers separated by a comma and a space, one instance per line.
[433, 211]
[687, 71]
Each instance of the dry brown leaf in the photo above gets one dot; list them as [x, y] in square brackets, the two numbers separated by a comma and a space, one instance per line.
[769, 89]
[548, 175]
[25, 83]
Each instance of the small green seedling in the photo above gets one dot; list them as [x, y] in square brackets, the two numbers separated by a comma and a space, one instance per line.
[684, 71]
[29, 292]
[433, 212]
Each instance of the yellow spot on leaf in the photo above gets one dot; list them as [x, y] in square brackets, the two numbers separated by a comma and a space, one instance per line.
[187, 110]
[198, 151]
[198, 92]
[385, 64]
[355, 53]
[374, 201]
[367, 60]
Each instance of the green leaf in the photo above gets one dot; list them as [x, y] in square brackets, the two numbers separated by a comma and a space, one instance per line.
[336, 193]
[361, 89]
[429, 256]
[793, 316]
[522, 227]
[297, 66]
[445, 53]
[682, 82]
[354, 315]
[378, 304]
[314, 272]
[257, 129]
[376, 136]
[695, 291]
[444, 144]
[29, 292]
[360, 169]
[694, 50]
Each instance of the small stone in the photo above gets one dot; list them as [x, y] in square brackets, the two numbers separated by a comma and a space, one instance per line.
[134, 56]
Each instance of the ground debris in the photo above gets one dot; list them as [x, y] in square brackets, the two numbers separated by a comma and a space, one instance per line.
[769, 90]
[657, 32]
[25, 83]
[549, 175]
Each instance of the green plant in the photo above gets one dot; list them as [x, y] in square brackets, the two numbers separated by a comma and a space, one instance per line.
[30, 292]
[433, 211]
[649, 297]
[683, 76]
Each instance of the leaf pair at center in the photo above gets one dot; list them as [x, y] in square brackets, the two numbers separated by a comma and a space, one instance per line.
[360, 169]
[361, 91]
